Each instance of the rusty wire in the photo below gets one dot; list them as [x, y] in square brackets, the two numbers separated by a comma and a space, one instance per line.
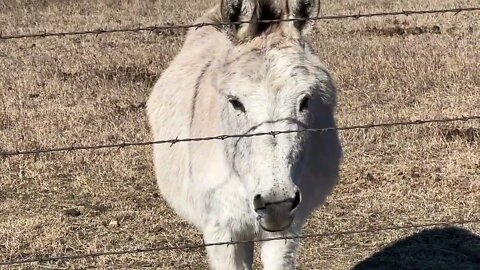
[6, 154]
[167, 27]
[43, 258]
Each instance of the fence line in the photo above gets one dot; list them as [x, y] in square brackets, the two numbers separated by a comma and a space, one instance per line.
[39, 258]
[162, 28]
[6, 154]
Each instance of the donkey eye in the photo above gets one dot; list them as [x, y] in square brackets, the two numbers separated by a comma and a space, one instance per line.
[304, 104]
[237, 105]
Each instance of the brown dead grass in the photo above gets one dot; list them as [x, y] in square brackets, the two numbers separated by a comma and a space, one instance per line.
[92, 89]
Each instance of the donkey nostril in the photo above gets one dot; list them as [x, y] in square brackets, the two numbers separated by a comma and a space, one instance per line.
[296, 200]
[258, 203]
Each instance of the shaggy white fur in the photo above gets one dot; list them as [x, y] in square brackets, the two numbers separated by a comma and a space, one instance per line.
[239, 80]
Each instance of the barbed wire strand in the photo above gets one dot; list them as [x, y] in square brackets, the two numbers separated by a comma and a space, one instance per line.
[162, 28]
[204, 245]
[6, 154]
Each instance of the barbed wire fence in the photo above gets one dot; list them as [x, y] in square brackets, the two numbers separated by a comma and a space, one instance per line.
[173, 141]
[46, 258]
[227, 243]
[160, 28]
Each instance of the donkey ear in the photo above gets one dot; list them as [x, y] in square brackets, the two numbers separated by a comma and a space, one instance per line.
[257, 10]
[231, 10]
[236, 11]
[302, 9]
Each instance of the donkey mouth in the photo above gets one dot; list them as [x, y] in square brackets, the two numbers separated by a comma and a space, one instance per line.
[271, 224]
[275, 216]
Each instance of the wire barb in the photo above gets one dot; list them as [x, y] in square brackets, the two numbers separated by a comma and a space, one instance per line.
[6, 154]
[168, 27]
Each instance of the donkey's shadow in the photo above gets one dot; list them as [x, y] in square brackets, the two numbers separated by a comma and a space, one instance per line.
[435, 249]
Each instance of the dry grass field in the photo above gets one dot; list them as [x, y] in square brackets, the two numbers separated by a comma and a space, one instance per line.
[80, 90]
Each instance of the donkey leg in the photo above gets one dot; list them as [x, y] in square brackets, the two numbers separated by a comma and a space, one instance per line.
[279, 254]
[235, 256]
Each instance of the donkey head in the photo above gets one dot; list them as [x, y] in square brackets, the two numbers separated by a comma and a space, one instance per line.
[271, 80]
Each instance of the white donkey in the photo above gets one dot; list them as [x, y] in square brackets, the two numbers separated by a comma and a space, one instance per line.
[241, 79]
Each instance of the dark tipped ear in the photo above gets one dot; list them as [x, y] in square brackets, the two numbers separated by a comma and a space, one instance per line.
[231, 10]
[239, 11]
[301, 9]
[261, 10]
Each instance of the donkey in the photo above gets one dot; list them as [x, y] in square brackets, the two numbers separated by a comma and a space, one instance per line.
[243, 78]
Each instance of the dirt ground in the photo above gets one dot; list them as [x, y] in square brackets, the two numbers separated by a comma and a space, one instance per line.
[63, 91]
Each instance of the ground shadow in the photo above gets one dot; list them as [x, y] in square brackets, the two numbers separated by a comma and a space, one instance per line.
[446, 248]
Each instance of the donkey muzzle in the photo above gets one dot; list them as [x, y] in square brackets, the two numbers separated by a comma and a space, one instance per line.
[274, 216]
